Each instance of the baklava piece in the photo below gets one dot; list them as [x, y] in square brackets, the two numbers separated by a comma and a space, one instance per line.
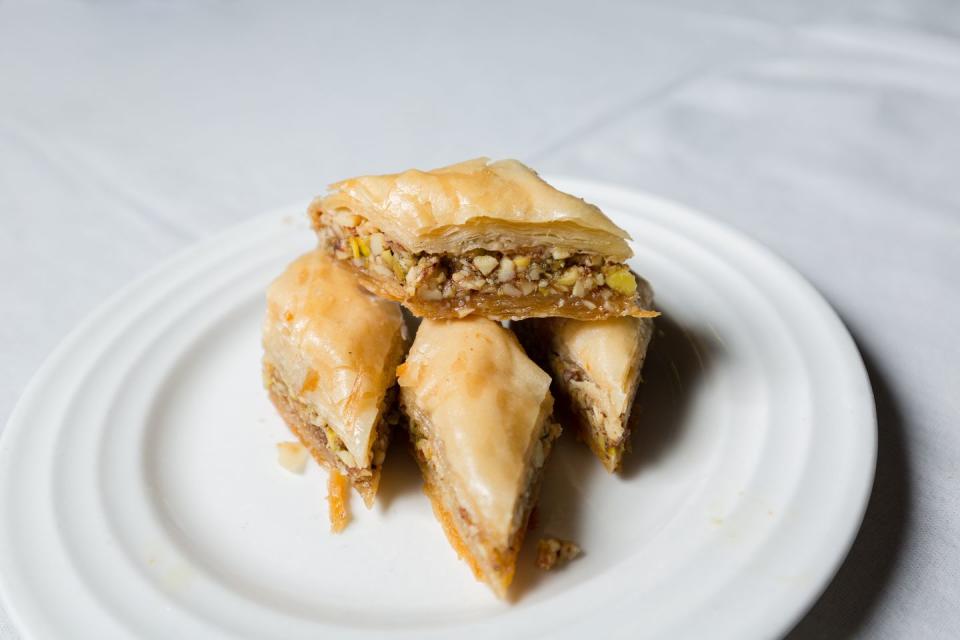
[596, 371]
[490, 238]
[330, 357]
[479, 413]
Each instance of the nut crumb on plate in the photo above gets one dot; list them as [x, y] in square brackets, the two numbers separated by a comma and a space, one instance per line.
[554, 551]
[292, 456]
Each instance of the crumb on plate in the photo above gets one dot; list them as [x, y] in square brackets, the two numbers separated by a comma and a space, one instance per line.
[554, 551]
[292, 456]
[337, 497]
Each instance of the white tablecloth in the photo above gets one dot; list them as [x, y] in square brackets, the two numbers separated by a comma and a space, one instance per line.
[828, 130]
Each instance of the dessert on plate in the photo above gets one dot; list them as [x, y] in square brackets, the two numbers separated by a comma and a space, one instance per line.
[479, 413]
[330, 357]
[479, 237]
[596, 371]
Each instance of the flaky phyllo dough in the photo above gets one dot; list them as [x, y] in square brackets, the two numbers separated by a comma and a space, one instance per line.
[330, 355]
[479, 237]
[479, 412]
[596, 369]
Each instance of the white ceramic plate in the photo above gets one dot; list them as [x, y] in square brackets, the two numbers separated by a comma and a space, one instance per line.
[141, 496]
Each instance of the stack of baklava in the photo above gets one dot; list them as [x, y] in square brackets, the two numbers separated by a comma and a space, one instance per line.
[465, 248]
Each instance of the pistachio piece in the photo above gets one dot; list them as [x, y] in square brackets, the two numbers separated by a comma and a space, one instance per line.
[333, 441]
[569, 277]
[560, 254]
[354, 247]
[622, 281]
[391, 261]
[521, 262]
[364, 249]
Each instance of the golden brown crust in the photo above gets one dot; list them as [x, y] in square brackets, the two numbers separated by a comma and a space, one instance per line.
[450, 528]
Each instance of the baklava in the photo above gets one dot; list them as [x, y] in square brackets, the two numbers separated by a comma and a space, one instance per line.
[479, 237]
[596, 369]
[330, 356]
[479, 414]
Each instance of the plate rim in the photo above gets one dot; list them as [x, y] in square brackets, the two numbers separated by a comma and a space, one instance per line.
[17, 421]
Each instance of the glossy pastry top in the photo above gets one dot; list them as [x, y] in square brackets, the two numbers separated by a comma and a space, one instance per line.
[484, 402]
[606, 349]
[478, 204]
[333, 344]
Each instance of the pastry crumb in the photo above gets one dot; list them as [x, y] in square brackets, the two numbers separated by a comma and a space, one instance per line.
[337, 496]
[292, 456]
[552, 552]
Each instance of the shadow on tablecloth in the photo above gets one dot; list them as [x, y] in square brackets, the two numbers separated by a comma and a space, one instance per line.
[859, 584]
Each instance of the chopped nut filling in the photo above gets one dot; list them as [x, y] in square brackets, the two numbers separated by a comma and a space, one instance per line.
[593, 280]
